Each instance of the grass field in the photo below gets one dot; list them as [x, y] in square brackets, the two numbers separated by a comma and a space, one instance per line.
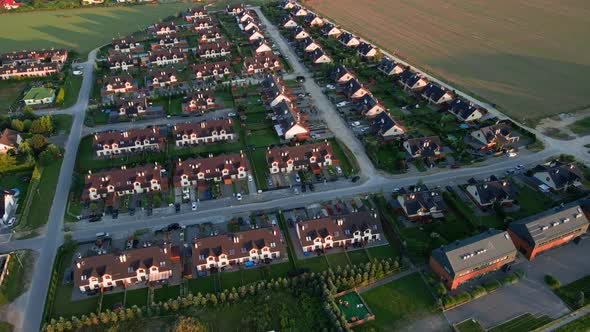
[349, 306]
[397, 302]
[569, 293]
[526, 322]
[9, 92]
[580, 324]
[470, 325]
[516, 40]
[580, 126]
[79, 29]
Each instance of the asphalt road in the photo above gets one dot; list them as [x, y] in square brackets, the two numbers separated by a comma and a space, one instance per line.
[372, 181]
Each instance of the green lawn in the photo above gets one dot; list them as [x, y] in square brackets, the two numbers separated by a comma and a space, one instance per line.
[111, 299]
[138, 297]
[398, 302]
[19, 180]
[13, 284]
[344, 158]
[568, 293]
[234, 278]
[171, 105]
[530, 201]
[42, 199]
[79, 29]
[72, 89]
[383, 252]
[62, 122]
[9, 92]
[580, 324]
[280, 270]
[470, 325]
[526, 322]
[166, 292]
[580, 126]
[315, 264]
[338, 259]
[202, 284]
[358, 256]
[259, 167]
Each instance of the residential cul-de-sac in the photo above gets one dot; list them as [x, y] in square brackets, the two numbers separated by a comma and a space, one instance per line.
[266, 156]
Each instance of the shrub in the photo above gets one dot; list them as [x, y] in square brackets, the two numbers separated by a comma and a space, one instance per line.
[492, 285]
[440, 289]
[478, 291]
[552, 281]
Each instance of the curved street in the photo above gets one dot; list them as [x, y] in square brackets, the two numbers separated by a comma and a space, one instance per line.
[372, 180]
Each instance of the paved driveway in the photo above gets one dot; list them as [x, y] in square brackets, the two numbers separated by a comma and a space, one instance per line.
[531, 295]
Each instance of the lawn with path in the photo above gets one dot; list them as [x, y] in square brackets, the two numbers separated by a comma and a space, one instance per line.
[338, 259]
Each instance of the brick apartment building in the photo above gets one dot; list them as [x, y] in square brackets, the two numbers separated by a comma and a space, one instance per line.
[466, 259]
[547, 230]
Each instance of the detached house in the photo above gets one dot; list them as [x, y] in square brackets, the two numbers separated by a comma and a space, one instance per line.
[465, 111]
[389, 67]
[289, 23]
[429, 148]
[211, 70]
[421, 204]
[246, 15]
[367, 50]
[303, 156]
[312, 20]
[498, 136]
[166, 57]
[412, 81]
[121, 84]
[274, 90]
[131, 267]
[547, 230]
[331, 30]
[558, 176]
[197, 172]
[485, 193]
[436, 95]
[298, 11]
[250, 25]
[198, 102]
[466, 259]
[8, 199]
[354, 90]
[262, 63]
[341, 75]
[255, 35]
[124, 181]
[318, 57]
[254, 246]
[369, 106]
[193, 133]
[122, 62]
[385, 126]
[131, 108]
[299, 33]
[161, 78]
[339, 231]
[289, 123]
[115, 143]
[349, 40]
[309, 45]
[9, 140]
[288, 4]
[214, 50]
[262, 47]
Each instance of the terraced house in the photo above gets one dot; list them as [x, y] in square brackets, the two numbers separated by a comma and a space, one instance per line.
[166, 57]
[410, 81]
[214, 50]
[159, 78]
[168, 41]
[115, 143]
[211, 70]
[436, 95]
[105, 272]
[28, 70]
[209, 35]
[339, 231]
[197, 172]
[58, 56]
[120, 182]
[203, 23]
[262, 63]
[421, 204]
[312, 157]
[198, 102]
[120, 84]
[126, 45]
[466, 259]
[247, 247]
[131, 108]
[163, 28]
[547, 230]
[195, 133]
[122, 62]
[195, 13]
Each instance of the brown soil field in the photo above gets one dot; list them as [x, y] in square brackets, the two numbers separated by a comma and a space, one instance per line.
[531, 58]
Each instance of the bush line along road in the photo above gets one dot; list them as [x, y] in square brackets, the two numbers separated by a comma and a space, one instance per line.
[372, 181]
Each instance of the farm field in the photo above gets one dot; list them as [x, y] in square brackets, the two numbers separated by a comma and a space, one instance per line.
[517, 54]
[79, 29]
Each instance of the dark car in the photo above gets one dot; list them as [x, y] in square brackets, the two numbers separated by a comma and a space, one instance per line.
[311, 187]
[300, 79]
[131, 212]
[303, 189]
[177, 207]
[95, 218]
[355, 178]
[115, 214]
[173, 227]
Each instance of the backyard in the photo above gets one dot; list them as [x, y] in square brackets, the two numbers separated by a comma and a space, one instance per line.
[9, 92]
[454, 48]
[398, 302]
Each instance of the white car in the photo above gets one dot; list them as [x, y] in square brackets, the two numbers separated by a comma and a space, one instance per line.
[356, 124]
[297, 178]
[339, 171]
[511, 154]
[194, 206]
[342, 103]
[330, 87]
[250, 179]
[239, 196]
[231, 114]
[11, 221]
[77, 72]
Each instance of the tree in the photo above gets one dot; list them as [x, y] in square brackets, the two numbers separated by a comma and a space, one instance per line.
[60, 96]
[7, 162]
[188, 324]
[17, 125]
[25, 148]
[38, 142]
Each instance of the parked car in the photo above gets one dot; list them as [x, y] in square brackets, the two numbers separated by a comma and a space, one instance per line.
[330, 87]
[95, 218]
[239, 196]
[342, 103]
[511, 154]
[355, 178]
[177, 207]
[77, 72]
[115, 214]
[355, 123]
[297, 178]
[311, 187]
[174, 226]
[298, 78]
[295, 191]
[339, 171]
[303, 189]
[250, 179]
[194, 206]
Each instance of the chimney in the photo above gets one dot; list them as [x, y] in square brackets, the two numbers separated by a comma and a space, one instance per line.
[196, 245]
[340, 221]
